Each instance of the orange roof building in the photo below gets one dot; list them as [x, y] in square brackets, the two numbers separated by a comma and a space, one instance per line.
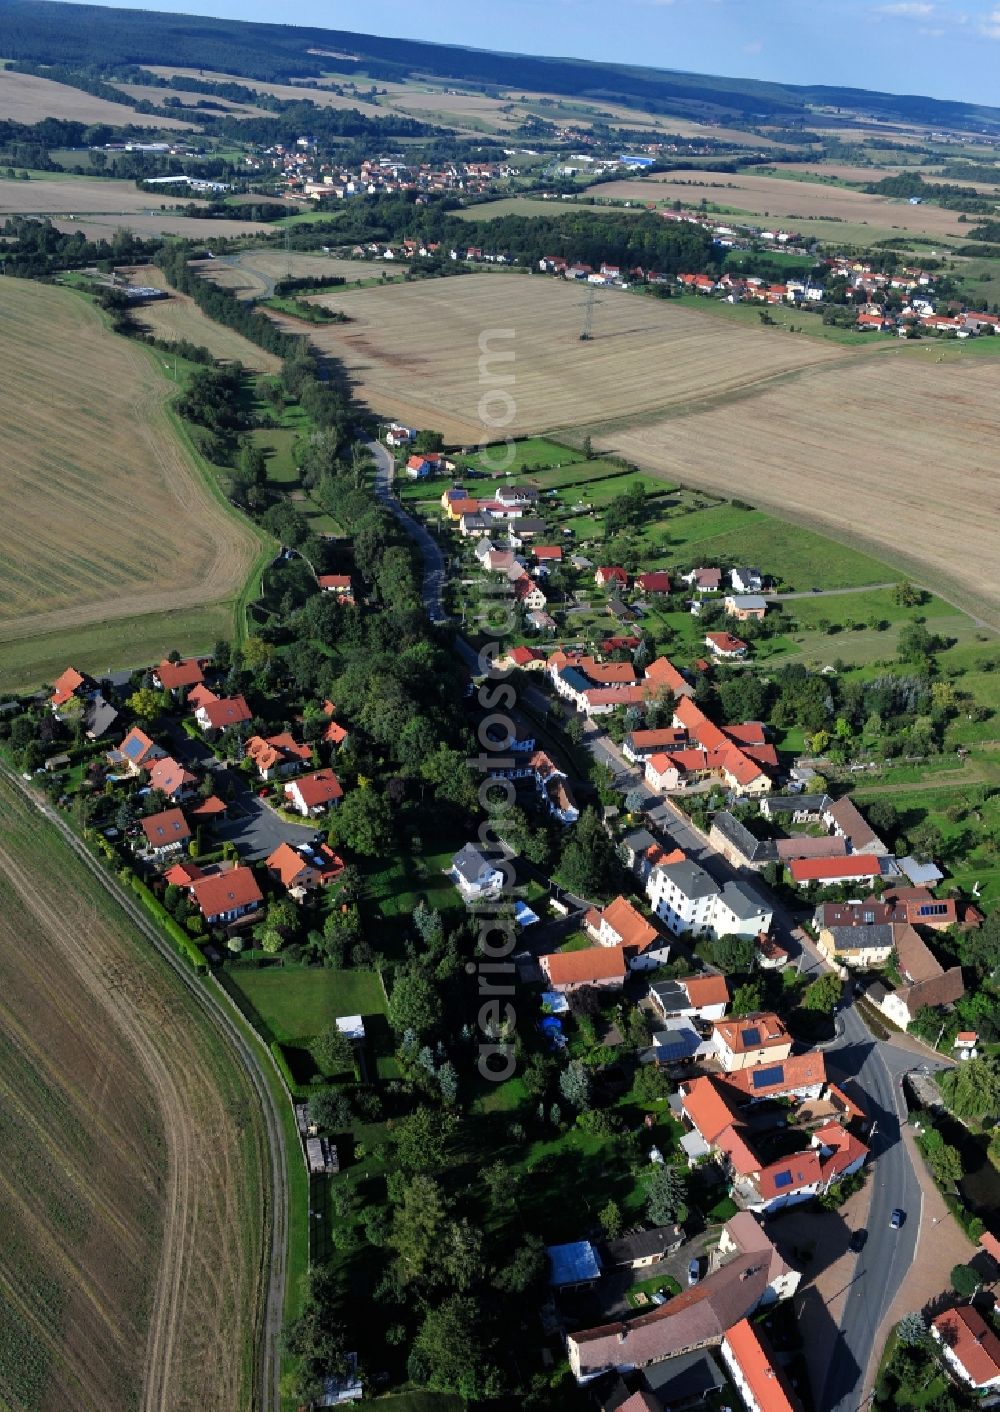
[602, 966]
[969, 1345]
[752, 1366]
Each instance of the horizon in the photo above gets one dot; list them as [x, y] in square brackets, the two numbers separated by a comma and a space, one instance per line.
[906, 47]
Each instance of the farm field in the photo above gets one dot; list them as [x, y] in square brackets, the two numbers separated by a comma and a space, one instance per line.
[149, 93]
[27, 99]
[645, 355]
[129, 1188]
[322, 97]
[923, 492]
[76, 195]
[180, 318]
[252, 274]
[108, 517]
[103, 227]
[786, 201]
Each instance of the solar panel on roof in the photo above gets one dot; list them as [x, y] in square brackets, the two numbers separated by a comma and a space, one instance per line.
[764, 1078]
[782, 1179]
[133, 748]
[750, 1037]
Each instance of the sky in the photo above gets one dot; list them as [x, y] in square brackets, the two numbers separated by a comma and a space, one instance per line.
[941, 48]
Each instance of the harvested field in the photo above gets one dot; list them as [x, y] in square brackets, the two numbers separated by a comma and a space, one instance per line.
[27, 99]
[292, 92]
[130, 1195]
[108, 516]
[180, 318]
[252, 274]
[786, 201]
[895, 454]
[149, 93]
[68, 195]
[189, 227]
[413, 350]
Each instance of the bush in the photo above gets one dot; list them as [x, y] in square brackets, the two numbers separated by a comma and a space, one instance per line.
[182, 942]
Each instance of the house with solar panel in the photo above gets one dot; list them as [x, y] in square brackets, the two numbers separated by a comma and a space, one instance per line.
[763, 1175]
[744, 1041]
[137, 751]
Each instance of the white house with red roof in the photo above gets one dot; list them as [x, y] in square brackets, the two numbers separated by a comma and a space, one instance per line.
[69, 684]
[657, 582]
[304, 868]
[757, 1375]
[277, 755]
[172, 779]
[314, 794]
[969, 1345]
[725, 645]
[620, 923]
[224, 711]
[165, 832]
[226, 896]
[178, 676]
[611, 576]
[337, 584]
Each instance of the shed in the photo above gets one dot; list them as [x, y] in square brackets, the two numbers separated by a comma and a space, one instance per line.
[353, 1026]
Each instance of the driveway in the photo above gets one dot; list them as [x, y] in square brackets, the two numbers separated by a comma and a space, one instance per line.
[432, 590]
[254, 827]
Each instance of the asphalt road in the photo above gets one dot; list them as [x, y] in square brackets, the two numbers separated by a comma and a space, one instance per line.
[254, 827]
[877, 1069]
[434, 572]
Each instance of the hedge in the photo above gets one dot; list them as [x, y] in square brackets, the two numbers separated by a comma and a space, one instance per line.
[183, 944]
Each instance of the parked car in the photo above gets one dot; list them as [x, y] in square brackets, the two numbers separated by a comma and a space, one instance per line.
[858, 1240]
[694, 1272]
[897, 1218]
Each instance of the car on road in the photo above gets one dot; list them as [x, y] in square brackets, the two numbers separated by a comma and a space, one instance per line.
[897, 1218]
[858, 1241]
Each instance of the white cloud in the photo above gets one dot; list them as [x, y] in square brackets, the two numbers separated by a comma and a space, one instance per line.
[908, 9]
[991, 25]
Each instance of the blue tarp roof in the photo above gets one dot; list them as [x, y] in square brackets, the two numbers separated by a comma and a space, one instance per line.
[555, 1003]
[523, 915]
[573, 1264]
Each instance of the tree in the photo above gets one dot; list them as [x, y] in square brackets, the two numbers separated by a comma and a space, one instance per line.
[973, 1089]
[528, 1266]
[330, 1111]
[417, 1229]
[422, 1139]
[734, 955]
[665, 1195]
[823, 994]
[453, 1350]
[316, 1338]
[589, 865]
[331, 1051]
[964, 1281]
[145, 703]
[611, 1221]
[748, 998]
[574, 1084]
[943, 1160]
[362, 822]
[414, 1003]
[884, 818]
[911, 1331]
[926, 840]
[651, 1084]
[906, 595]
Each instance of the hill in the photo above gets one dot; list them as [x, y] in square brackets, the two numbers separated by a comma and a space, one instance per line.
[41, 31]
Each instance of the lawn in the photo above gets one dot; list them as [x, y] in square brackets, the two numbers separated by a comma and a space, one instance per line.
[530, 453]
[295, 1005]
[121, 642]
[278, 444]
